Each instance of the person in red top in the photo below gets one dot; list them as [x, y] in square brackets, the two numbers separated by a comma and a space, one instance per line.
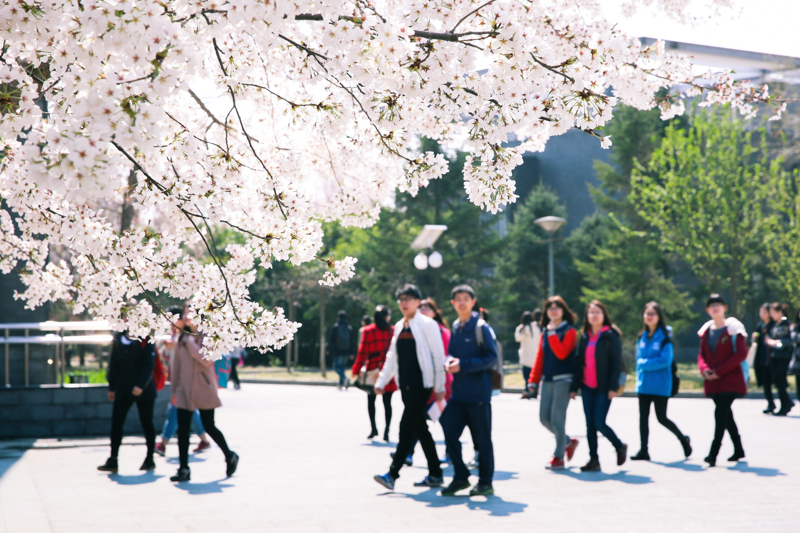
[375, 341]
[555, 367]
[723, 347]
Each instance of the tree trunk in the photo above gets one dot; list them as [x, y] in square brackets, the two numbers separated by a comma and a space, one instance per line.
[322, 331]
[290, 344]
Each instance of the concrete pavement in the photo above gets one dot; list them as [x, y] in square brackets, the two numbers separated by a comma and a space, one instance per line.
[306, 466]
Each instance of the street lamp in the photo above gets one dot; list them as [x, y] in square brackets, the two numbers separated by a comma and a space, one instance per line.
[550, 225]
[425, 240]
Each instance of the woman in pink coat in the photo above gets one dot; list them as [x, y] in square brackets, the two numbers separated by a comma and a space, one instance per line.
[194, 386]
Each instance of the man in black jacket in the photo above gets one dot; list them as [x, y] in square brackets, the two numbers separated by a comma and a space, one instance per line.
[342, 345]
[130, 379]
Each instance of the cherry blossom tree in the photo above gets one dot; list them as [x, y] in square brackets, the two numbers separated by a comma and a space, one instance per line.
[269, 117]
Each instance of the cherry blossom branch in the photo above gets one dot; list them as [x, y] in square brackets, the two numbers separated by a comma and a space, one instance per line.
[465, 17]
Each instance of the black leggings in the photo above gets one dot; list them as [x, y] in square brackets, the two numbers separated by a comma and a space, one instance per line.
[185, 427]
[234, 377]
[764, 378]
[660, 403]
[387, 409]
[723, 418]
[778, 369]
[122, 404]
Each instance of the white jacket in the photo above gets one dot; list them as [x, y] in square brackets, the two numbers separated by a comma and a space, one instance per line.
[734, 327]
[529, 341]
[430, 354]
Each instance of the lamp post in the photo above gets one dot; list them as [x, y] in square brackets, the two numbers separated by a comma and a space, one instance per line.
[550, 225]
[425, 241]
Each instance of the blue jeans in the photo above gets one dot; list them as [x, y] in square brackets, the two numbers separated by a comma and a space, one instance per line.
[171, 423]
[339, 366]
[457, 415]
[595, 407]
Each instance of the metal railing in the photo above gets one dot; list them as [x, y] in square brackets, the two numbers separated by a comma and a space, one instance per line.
[58, 340]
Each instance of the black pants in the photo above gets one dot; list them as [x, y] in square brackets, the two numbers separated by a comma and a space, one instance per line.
[234, 375]
[414, 421]
[764, 378]
[122, 404]
[778, 369]
[478, 416]
[387, 410]
[185, 427]
[723, 418]
[660, 403]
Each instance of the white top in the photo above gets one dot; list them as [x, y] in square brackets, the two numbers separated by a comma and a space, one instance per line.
[529, 339]
[430, 354]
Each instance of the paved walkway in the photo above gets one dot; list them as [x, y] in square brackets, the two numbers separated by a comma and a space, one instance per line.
[306, 467]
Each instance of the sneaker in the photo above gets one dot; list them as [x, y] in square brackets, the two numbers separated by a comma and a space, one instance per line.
[161, 449]
[387, 480]
[687, 445]
[430, 481]
[232, 462]
[573, 444]
[203, 446]
[622, 455]
[481, 490]
[184, 474]
[641, 455]
[454, 487]
[148, 465]
[409, 460]
[110, 466]
[236, 386]
[712, 461]
[525, 396]
[592, 466]
[736, 457]
[556, 463]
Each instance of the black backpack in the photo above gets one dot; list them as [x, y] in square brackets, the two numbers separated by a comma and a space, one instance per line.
[343, 332]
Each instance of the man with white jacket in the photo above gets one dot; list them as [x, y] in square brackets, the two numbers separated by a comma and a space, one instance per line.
[416, 360]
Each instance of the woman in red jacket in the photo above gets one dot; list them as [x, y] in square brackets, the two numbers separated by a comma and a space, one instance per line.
[723, 347]
[375, 341]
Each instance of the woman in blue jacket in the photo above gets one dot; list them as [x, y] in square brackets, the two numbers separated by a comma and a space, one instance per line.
[654, 358]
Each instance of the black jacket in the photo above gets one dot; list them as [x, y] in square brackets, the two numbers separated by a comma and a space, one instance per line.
[333, 347]
[762, 350]
[608, 358]
[782, 331]
[131, 365]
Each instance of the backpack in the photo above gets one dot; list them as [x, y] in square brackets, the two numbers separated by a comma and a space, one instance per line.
[497, 371]
[343, 332]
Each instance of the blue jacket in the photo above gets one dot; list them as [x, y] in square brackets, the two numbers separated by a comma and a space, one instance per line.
[473, 383]
[654, 364]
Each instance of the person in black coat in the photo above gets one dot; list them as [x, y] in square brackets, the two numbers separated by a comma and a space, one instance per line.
[598, 368]
[780, 345]
[130, 380]
[761, 362]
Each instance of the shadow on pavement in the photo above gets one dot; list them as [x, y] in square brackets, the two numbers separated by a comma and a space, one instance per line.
[147, 477]
[211, 487]
[683, 465]
[495, 505]
[745, 468]
[594, 477]
[380, 444]
[177, 460]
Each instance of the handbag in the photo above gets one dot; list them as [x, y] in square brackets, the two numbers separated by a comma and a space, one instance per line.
[368, 377]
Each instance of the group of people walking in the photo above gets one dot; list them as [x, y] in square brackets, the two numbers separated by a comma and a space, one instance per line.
[450, 371]
[777, 355]
[135, 373]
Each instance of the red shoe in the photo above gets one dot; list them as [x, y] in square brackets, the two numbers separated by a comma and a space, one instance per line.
[573, 444]
[204, 445]
[161, 449]
[555, 464]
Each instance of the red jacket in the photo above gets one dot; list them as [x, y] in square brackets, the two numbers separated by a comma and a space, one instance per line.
[724, 362]
[372, 351]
